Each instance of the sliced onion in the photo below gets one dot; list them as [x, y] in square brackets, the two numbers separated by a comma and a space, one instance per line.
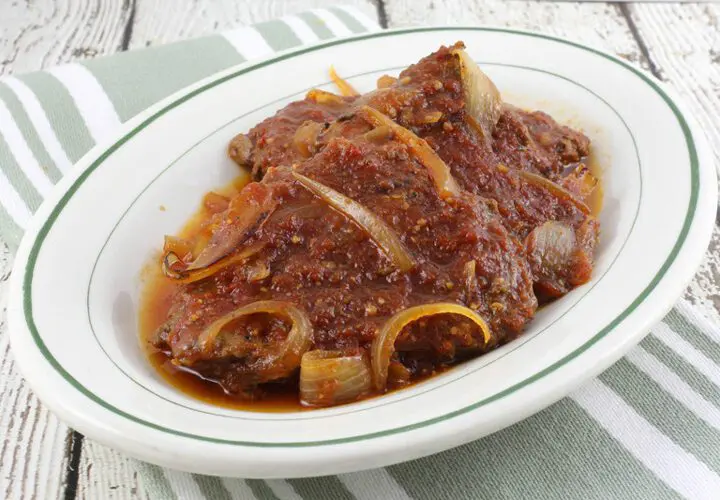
[552, 245]
[283, 359]
[383, 346]
[189, 276]
[556, 189]
[381, 233]
[471, 282]
[331, 377]
[379, 134]
[439, 171]
[580, 182]
[305, 138]
[324, 97]
[482, 99]
[215, 202]
[386, 81]
[345, 88]
[430, 117]
[246, 213]
[257, 272]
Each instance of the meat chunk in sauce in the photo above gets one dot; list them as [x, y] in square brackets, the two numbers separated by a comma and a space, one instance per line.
[340, 199]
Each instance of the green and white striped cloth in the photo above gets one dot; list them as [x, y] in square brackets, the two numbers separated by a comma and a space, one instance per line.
[649, 427]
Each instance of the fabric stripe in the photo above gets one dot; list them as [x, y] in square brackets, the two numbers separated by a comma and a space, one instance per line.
[301, 30]
[372, 484]
[675, 466]
[155, 483]
[688, 352]
[360, 16]
[15, 179]
[138, 79]
[40, 122]
[348, 20]
[238, 488]
[558, 453]
[212, 487]
[261, 490]
[316, 24]
[29, 168]
[90, 98]
[674, 385]
[278, 35]
[332, 22]
[703, 324]
[664, 412]
[249, 43]
[62, 113]
[322, 487]
[692, 334]
[14, 205]
[32, 139]
[683, 369]
[9, 230]
[183, 484]
[282, 489]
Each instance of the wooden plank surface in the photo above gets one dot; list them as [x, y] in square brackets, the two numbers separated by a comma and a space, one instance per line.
[683, 41]
[33, 441]
[35, 35]
[678, 42]
[608, 29]
[155, 23]
[34, 455]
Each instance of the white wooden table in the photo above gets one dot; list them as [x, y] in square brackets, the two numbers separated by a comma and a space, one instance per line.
[679, 43]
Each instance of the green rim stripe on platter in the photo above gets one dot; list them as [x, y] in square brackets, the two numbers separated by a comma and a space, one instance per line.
[45, 229]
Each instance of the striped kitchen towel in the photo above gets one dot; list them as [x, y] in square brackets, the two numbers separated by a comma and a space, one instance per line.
[649, 427]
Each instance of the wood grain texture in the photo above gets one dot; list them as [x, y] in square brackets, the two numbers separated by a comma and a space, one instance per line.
[598, 24]
[684, 43]
[32, 440]
[156, 24]
[35, 34]
[108, 475]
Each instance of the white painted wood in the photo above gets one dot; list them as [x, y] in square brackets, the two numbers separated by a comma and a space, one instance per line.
[598, 24]
[40, 34]
[34, 35]
[684, 43]
[32, 440]
[156, 23]
[108, 475]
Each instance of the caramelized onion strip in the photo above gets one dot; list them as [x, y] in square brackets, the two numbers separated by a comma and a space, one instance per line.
[345, 88]
[192, 275]
[383, 346]
[331, 377]
[556, 189]
[482, 99]
[325, 98]
[284, 358]
[439, 171]
[381, 233]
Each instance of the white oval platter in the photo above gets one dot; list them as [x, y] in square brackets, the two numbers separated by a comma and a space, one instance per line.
[76, 283]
